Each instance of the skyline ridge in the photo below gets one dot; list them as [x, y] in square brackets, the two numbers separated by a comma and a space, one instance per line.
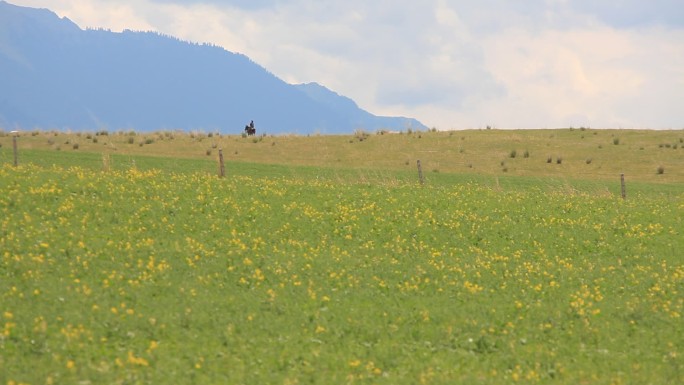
[58, 75]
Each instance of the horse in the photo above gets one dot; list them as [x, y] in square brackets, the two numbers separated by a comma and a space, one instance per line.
[249, 129]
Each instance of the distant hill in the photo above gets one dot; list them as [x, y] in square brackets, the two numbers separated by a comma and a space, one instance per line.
[54, 75]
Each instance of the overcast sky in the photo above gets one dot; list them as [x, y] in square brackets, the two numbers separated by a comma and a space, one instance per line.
[453, 64]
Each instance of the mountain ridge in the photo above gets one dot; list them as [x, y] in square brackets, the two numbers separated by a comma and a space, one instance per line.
[59, 76]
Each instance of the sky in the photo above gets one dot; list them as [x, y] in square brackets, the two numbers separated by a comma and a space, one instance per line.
[452, 64]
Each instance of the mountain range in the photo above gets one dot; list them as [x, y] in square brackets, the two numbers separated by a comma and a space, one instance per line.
[55, 75]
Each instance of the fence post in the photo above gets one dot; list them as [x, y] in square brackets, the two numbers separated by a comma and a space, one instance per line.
[222, 167]
[14, 146]
[420, 173]
[622, 185]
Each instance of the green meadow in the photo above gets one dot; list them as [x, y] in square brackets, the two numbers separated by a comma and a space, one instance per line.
[324, 260]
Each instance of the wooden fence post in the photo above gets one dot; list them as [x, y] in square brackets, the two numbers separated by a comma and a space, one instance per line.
[622, 185]
[222, 167]
[14, 146]
[420, 173]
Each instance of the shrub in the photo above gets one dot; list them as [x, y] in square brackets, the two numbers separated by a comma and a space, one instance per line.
[149, 141]
[616, 141]
[559, 160]
[75, 146]
[130, 140]
[361, 135]
[588, 161]
[208, 152]
[526, 154]
[549, 159]
[661, 170]
[513, 154]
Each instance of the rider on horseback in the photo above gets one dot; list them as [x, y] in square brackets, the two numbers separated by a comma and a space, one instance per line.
[250, 130]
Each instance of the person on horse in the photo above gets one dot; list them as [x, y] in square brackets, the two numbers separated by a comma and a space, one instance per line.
[250, 130]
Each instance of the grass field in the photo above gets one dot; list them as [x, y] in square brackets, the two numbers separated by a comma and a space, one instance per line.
[120, 267]
[564, 153]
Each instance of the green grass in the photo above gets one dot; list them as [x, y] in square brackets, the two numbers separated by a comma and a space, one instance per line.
[322, 259]
[157, 271]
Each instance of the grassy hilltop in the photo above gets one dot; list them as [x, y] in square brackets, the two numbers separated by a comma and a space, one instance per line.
[321, 260]
[573, 154]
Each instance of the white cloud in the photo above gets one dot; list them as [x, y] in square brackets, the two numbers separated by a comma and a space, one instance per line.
[449, 63]
[598, 77]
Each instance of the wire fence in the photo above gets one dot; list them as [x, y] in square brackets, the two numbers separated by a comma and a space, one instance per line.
[423, 171]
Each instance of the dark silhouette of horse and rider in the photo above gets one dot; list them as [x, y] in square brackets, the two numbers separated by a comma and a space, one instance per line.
[249, 129]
